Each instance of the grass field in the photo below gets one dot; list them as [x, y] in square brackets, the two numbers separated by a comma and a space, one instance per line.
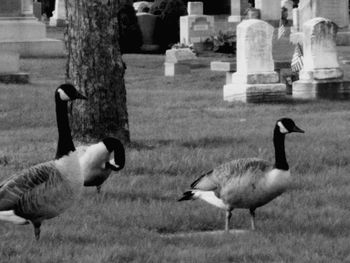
[179, 128]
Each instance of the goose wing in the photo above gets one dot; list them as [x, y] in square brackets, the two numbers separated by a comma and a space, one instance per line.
[14, 188]
[215, 179]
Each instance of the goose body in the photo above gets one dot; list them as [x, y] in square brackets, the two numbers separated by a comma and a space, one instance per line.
[43, 191]
[246, 183]
[97, 161]
[46, 190]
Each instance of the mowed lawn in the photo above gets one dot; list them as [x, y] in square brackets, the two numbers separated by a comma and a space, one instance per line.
[180, 127]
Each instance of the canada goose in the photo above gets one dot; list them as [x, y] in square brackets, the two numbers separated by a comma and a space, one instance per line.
[246, 183]
[96, 162]
[45, 190]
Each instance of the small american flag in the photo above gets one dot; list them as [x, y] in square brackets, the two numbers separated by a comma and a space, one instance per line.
[297, 59]
[281, 30]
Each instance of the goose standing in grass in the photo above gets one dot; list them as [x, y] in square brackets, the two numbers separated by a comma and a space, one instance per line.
[97, 161]
[46, 190]
[247, 183]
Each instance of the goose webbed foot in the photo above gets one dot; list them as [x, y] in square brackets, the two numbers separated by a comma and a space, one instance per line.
[227, 220]
[252, 218]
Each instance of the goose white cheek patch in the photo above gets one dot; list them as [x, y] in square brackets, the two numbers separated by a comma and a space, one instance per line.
[63, 95]
[112, 162]
[282, 128]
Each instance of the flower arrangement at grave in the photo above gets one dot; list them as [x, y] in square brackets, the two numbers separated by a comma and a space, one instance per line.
[223, 42]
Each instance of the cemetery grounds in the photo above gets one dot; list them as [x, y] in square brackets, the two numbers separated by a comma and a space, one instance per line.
[181, 127]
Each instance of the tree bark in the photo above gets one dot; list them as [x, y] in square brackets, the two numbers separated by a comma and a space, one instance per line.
[96, 68]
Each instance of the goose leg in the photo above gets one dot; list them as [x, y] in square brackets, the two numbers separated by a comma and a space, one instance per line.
[98, 188]
[227, 221]
[37, 230]
[252, 217]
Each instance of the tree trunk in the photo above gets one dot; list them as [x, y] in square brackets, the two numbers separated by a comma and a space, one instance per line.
[96, 68]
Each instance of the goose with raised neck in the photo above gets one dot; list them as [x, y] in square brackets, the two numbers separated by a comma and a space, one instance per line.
[65, 141]
[47, 189]
[247, 183]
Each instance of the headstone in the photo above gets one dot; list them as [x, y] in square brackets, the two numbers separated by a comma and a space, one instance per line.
[195, 28]
[334, 10]
[320, 50]
[195, 8]
[176, 61]
[270, 10]
[238, 9]
[147, 23]
[175, 55]
[224, 66]
[321, 76]
[255, 79]
[59, 14]
[9, 68]
[37, 10]
[11, 8]
[21, 32]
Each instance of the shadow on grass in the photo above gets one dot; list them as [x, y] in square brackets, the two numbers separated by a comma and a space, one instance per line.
[289, 225]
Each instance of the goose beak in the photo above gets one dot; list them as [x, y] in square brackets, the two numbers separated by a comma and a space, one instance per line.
[112, 167]
[81, 96]
[297, 129]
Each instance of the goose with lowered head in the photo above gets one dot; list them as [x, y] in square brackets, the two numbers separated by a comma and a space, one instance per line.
[247, 183]
[47, 189]
[100, 159]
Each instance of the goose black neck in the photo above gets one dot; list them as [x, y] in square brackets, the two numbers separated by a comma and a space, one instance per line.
[65, 141]
[280, 154]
